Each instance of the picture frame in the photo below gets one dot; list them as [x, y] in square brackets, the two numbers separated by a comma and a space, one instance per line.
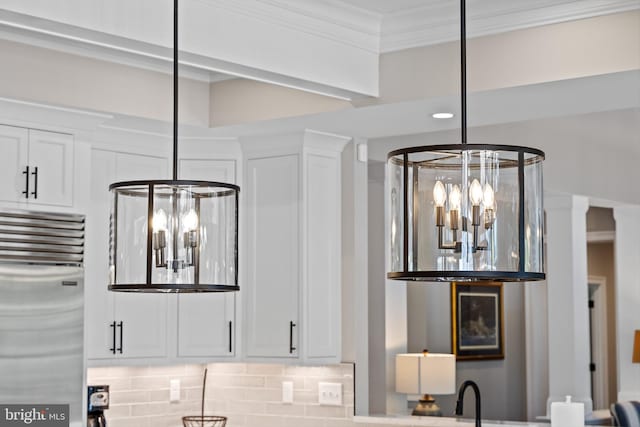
[477, 321]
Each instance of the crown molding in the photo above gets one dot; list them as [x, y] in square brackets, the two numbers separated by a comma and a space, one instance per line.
[26, 113]
[438, 22]
[330, 19]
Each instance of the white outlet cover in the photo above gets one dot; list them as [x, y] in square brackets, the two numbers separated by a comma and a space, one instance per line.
[287, 391]
[330, 394]
[174, 391]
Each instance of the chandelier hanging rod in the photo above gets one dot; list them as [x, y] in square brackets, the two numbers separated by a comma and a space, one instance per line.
[463, 69]
[175, 90]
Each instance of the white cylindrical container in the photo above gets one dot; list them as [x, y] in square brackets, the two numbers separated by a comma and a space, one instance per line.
[567, 414]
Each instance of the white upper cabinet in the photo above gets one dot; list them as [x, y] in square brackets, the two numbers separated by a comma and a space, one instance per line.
[13, 161]
[37, 167]
[51, 160]
[206, 321]
[293, 290]
[273, 256]
[127, 325]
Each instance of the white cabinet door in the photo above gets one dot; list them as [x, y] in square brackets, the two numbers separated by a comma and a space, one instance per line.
[141, 319]
[141, 325]
[13, 162]
[206, 322]
[206, 325]
[119, 324]
[100, 322]
[51, 168]
[273, 279]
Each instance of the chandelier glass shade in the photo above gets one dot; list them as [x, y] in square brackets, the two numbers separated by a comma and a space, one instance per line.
[466, 212]
[174, 236]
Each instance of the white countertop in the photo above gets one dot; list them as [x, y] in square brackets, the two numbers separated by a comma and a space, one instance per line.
[409, 420]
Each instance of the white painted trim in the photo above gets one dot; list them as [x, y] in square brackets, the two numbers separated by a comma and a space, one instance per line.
[331, 19]
[325, 141]
[141, 54]
[36, 115]
[438, 23]
[599, 345]
[601, 236]
[102, 52]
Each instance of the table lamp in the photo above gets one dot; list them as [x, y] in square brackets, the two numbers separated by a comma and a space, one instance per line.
[636, 348]
[426, 373]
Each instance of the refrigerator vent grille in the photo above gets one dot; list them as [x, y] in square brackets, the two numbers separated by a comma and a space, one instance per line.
[41, 238]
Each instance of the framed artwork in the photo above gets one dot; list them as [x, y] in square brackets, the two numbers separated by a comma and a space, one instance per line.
[477, 321]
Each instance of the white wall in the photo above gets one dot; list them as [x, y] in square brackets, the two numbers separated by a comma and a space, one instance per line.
[501, 382]
[46, 76]
[600, 45]
[593, 155]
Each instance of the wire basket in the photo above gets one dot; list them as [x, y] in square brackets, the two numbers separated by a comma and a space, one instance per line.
[204, 421]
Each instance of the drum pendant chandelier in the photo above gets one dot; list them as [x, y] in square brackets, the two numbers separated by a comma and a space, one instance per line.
[174, 235]
[465, 212]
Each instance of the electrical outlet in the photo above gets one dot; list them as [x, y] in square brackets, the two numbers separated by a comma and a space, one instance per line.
[330, 394]
[174, 391]
[287, 391]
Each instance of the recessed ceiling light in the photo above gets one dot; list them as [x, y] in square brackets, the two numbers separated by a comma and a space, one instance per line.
[442, 115]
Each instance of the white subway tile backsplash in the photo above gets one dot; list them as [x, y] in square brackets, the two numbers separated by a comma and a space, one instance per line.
[264, 369]
[128, 397]
[249, 395]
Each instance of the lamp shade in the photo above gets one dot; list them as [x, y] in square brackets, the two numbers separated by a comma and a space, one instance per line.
[430, 373]
[636, 348]
[174, 236]
[466, 212]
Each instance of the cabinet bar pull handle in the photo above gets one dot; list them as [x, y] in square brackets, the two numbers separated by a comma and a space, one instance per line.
[34, 193]
[230, 334]
[121, 326]
[291, 347]
[113, 348]
[25, 172]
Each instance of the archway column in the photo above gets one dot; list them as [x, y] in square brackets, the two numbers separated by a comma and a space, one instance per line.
[567, 299]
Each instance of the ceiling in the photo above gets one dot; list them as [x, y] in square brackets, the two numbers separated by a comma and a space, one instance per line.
[376, 121]
[386, 7]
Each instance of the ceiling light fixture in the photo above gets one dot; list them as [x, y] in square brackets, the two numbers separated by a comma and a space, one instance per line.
[174, 235]
[442, 115]
[466, 212]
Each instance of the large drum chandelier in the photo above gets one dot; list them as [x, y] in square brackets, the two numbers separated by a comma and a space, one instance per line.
[174, 235]
[466, 212]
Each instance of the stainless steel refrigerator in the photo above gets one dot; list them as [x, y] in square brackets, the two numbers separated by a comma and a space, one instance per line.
[42, 310]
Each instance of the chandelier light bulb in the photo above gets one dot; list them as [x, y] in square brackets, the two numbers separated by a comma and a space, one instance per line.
[190, 220]
[455, 197]
[159, 220]
[439, 194]
[475, 193]
[489, 197]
